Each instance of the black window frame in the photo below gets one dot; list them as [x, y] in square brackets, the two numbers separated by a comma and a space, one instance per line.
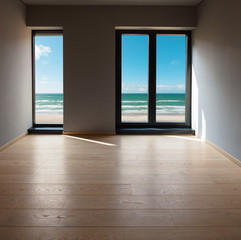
[152, 81]
[39, 33]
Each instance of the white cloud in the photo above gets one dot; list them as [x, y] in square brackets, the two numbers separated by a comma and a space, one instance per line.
[41, 50]
[180, 87]
[43, 82]
[142, 88]
[170, 88]
[175, 62]
[134, 88]
[45, 78]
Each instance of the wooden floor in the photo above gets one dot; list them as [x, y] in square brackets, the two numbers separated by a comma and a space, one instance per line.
[118, 187]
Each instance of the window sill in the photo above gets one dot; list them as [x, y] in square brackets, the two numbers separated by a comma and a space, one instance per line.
[155, 131]
[45, 130]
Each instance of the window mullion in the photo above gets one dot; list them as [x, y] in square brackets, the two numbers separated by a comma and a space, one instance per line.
[152, 79]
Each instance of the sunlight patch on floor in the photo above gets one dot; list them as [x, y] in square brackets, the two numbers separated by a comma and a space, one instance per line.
[91, 141]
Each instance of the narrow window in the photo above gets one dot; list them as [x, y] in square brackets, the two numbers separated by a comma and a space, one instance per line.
[170, 78]
[134, 78]
[48, 77]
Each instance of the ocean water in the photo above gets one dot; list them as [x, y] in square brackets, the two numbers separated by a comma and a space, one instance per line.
[132, 103]
[166, 103]
[49, 103]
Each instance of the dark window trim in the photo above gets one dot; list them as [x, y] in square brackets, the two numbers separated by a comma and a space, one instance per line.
[152, 81]
[41, 33]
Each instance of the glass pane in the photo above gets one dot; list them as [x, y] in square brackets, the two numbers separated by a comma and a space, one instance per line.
[171, 78]
[49, 79]
[134, 72]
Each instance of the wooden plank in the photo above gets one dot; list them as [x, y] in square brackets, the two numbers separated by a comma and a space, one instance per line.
[152, 233]
[8, 202]
[67, 233]
[4, 215]
[153, 202]
[201, 163]
[59, 163]
[187, 189]
[179, 179]
[183, 233]
[77, 170]
[64, 189]
[79, 179]
[208, 218]
[107, 218]
[226, 179]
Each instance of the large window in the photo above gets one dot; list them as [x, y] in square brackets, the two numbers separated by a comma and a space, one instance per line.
[48, 77]
[153, 79]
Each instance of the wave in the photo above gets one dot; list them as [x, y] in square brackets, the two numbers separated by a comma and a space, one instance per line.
[134, 101]
[147, 101]
[132, 106]
[129, 112]
[49, 111]
[169, 101]
[170, 107]
[174, 111]
[158, 107]
[47, 101]
[42, 101]
[163, 110]
[49, 107]
[134, 111]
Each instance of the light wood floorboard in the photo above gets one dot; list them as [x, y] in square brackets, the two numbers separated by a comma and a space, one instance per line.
[118, 188]
[64, 189]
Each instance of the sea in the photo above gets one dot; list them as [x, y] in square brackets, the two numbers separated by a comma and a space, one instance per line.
[49, 103]
[132, 103]
[166, 103]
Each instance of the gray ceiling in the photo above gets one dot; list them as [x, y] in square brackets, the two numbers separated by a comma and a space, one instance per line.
[111, 2]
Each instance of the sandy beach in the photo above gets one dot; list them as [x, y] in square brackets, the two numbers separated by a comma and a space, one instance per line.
[58, 118]
[49, 118]
[160, 118]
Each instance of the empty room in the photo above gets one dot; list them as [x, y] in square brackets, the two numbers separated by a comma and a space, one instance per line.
[120, 119]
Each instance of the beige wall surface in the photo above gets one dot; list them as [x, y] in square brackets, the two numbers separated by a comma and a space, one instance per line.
[15, 72]
[89, 54]
[217, 74]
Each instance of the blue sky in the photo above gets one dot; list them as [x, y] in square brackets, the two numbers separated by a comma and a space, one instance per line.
[171, 64]
[49, 64]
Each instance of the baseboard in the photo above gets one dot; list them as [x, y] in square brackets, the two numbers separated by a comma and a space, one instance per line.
[227, 155]
[13, 141]
[88, 133]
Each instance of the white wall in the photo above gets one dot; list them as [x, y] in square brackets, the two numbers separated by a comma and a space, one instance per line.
[15, 72]
[217, 74]
[89, 54]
